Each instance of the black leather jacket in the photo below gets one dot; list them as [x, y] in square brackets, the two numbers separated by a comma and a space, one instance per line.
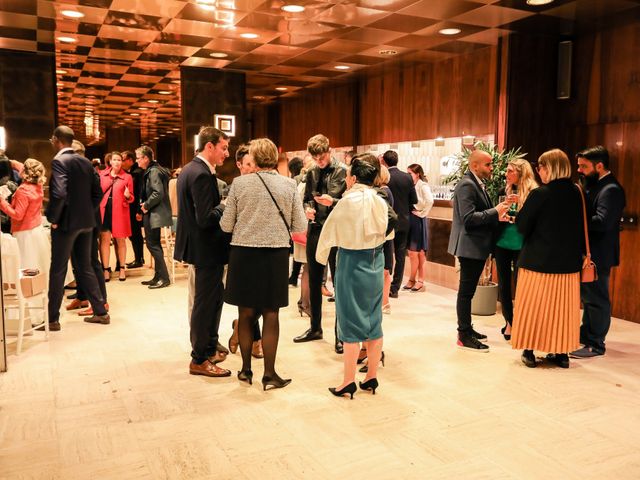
[334, 183]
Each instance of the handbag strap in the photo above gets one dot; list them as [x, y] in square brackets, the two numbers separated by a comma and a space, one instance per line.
[584, 218]
[276, 204]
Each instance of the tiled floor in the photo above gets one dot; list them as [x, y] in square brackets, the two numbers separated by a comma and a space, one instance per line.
[116, 402]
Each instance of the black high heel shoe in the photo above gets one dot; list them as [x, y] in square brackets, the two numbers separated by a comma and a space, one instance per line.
[246, 376]
[370, 384]
[362, 355]
[506, 336]
[349, 389]
[275, 382]
[365, 368]
[304, 311]
[107, 273]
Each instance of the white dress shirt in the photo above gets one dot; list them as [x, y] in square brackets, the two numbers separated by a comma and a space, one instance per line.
[425, 199]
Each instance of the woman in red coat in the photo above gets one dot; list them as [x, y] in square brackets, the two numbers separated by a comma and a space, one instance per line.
[117, 194]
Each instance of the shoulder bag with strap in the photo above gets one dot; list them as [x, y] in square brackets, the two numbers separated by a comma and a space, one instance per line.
[278, 207]
[589, 272]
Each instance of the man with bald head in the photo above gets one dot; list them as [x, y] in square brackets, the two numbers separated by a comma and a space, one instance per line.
[74, 192]
[472, 240]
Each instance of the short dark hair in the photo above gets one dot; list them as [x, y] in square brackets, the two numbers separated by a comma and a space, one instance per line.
[241, 152]
[64, 134]
[597, 154]
[128, 155]
[210, 134]
[295, 166]
[145, 151]
[390, 158]
[365, 167]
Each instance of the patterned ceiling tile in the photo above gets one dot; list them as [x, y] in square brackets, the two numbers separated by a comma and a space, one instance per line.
[491, 16]
[372, 35]
[361, 60]
[349, 14]
[417, 42]
[124, 33]
[488, 37]
[403, 23]
[388, 5]
[300, 40]
[206, 62]
[114, 54]
[159, 8]
[232, 45]
[18, 20]
[440, 9]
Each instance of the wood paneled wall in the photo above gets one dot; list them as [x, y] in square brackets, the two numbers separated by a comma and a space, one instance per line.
[604, 109]
[429, 100]
[329, 110]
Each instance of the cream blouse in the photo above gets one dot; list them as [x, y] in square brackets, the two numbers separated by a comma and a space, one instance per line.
[357, 222]
[425, 199]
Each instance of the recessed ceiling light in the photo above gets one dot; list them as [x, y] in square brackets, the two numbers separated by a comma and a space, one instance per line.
[293, 8]
[67, 39]
[59, 84]
[143, 108]
[538, 2]
[164, 92]
[218, 55]
[450, 31]
[134, 114]
[177, 128]
[249, 35]
[388, 52]
[72, 13]
[258, 97]
[61, 72]
[153, 101]
[342, 67]
[282, 89]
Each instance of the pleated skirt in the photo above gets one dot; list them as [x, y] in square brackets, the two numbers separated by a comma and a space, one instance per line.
[547, 312]
[358, 283]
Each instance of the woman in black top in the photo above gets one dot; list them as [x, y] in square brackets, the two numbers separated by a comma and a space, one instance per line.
[547, 315]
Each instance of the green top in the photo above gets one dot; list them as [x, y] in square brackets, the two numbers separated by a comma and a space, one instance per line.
[510, 239]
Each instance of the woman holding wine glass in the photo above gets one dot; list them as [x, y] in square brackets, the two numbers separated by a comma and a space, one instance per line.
[520, 182]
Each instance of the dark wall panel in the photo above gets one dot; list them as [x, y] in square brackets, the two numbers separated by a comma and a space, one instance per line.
[28, 104]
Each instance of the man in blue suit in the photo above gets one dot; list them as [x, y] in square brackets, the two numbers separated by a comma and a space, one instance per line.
[201, 243]
[472, 240]
[605, 202]
[74, 192]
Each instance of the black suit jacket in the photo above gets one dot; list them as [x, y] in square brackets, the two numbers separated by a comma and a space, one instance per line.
[199, 240]
[404, 196]
[74, 192]
[475, 221]
[605, 204]
[551, 222]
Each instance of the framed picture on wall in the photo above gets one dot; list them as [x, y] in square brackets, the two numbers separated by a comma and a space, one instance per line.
[225, 123]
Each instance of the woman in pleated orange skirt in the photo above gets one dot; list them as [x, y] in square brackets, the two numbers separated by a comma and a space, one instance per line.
[547, 303]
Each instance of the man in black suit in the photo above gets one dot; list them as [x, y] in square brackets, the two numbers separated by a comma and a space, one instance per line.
[74, 192]
[605, 203]
[201, 243]
[404, 198]
[472, 240]
[137, 242]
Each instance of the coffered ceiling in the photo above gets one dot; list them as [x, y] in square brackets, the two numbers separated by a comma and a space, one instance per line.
[118, 61]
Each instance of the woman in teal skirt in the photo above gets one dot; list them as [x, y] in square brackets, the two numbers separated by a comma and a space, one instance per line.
[358, 226]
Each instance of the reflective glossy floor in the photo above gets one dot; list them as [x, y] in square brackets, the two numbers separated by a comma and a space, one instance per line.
[117, 402]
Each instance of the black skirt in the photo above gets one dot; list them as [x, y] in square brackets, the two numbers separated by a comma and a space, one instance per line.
[258, 277]
[417, 234]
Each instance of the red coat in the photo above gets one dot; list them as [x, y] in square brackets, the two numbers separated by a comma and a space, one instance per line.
[25, 210]
[121, 220]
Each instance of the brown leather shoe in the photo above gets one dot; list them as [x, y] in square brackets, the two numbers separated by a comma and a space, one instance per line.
[53, 327]
[208, 369]
[219, 357]
[76, 304]
[256, 349]
[233, 340]
[102, 319]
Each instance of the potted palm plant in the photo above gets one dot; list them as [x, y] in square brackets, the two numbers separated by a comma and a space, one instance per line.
[486, 297]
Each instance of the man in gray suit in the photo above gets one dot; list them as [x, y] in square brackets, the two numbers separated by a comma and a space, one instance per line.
[472, 240]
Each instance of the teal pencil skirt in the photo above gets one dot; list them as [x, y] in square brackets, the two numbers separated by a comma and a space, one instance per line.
[358, 289]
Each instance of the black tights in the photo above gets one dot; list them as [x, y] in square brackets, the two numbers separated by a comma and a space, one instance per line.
[247, 319]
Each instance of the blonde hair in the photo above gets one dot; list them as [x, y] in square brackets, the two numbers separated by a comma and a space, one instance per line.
[264, 153]
[557, 164]
[383, 177]
[526, 179]
[33, 172]
[318, 144]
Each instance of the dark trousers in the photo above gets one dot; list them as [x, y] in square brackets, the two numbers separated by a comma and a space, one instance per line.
[400, 251]
[470, 271]
[62, 244]
[507, 266]
[152, 236]
[295, 272]
[596, 318]
[95, 264]
[137, 242]
[207, 308]
[316, 271]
